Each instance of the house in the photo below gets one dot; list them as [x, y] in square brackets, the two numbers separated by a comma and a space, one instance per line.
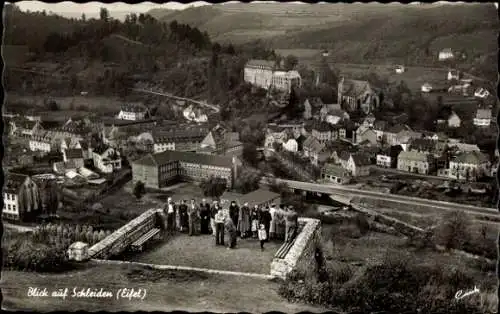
[389, 157]
[160, 170]
[75, 156]
[399, 69]
[426, 88]
[356, 95]
[469, 166]
[416, 162]
[482, 118]
[21, 198]
[369, 120]
[259, 72]
[451, 119]
[322, 131]
[396, 135]
[314, 149]
[446, 54]
[133, 112]
[380, 126]
[194, 115]
[453, 75]
[423, 145]
[42, 142]
[275, 134]
[367, 136]
[285, 80]
[181, 140]
[358, 164]
[464, 147]
[291, 145]
[24, 128]
[336, 116]
[106, 158]
[481, 93]
[311, 107]
[335, 174]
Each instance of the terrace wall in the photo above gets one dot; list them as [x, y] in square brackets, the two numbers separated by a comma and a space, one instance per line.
[119, 240]
[301, 255]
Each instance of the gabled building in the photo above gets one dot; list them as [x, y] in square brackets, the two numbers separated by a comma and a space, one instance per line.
[335, 174]
[483, 118]
[367, 135]
[21, 198]
[106, 159]
[291, 145]
[24, 128]
[356, 163]
[416, 162]
[160, 170]
[446, 54]
[75, 156]
[181, 140]
[356, 95]
[134, 112]
[469, 166]
[322, 131]
[451, 119]
[388, 158]
[314, 150]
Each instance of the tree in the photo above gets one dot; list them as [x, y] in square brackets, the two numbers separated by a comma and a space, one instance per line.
[84, 17]
[104, 14]
[247, 181]
[214, 187]
[250, 154]
[291, 62]
[453, 230]
[139, 190]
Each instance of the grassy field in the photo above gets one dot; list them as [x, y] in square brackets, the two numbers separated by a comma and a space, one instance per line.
[166, 291]
[68, 105]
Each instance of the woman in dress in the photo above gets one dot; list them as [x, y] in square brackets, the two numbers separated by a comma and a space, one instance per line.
[272, 227]
[255, 217]
[244, 221]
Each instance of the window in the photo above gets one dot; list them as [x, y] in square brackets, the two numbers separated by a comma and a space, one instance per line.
[14, 207]
[8, 207]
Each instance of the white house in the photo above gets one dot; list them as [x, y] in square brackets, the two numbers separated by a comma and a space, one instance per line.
[133, 112]
[469, 166]
[426, 88]
[106, 159]
[259, 72]
[358, 164]
[481, 93]
[453, 75]
[482, 118]
[41, 142]
[446, 54]
[399, 69]
[284, 80]
[291, 145]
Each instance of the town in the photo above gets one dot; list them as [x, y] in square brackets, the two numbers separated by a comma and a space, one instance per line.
[91, 162]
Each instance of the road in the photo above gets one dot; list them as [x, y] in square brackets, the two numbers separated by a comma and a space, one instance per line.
[404, 200]
[201, 103]
[18, 228]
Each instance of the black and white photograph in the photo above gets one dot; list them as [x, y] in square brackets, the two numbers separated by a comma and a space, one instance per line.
[250, 157]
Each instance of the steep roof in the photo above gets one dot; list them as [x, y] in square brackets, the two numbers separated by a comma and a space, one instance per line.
[260, 63]
[415, 156]
[483, 114]
[361, 159]
[14, 181]
[395, 129]
[334, 170]
[423, 144]
[473, 157]
[101, 149]
[170, 155]
[313, 144]
[74, 153]
[380, 125]
[354, 88]
[322, 126]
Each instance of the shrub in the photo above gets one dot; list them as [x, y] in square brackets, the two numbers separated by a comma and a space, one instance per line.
[362, 223]
[453, 231]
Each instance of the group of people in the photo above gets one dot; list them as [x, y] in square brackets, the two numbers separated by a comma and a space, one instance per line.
[260, 222]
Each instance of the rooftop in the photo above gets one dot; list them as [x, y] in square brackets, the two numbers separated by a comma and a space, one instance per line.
[170, 155]
[260, 63]
[415, 156]
[473, 157]
[14, 181]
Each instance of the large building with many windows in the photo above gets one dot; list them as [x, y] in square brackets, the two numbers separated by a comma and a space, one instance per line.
[162, 169]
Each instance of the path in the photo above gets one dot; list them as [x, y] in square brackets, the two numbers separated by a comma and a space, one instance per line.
[201, 252]
[201, 103]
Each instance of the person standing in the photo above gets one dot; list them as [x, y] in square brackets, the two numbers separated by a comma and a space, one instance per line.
[265, 219]
[193, 215]
[291, 224]
[234, 212]
[262, 236]
[280, 223]
[272, 227]
[183, 213]
[170, 215]
[244, 221]
[254, 216]
[219, 227]
[205, 217]
[231, 231]
[213, 211]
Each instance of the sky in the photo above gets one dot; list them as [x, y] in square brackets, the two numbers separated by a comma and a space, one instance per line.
[92, 8]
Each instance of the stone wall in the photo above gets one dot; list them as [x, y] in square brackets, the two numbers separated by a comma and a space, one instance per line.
[301, 255]
[119, 240]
